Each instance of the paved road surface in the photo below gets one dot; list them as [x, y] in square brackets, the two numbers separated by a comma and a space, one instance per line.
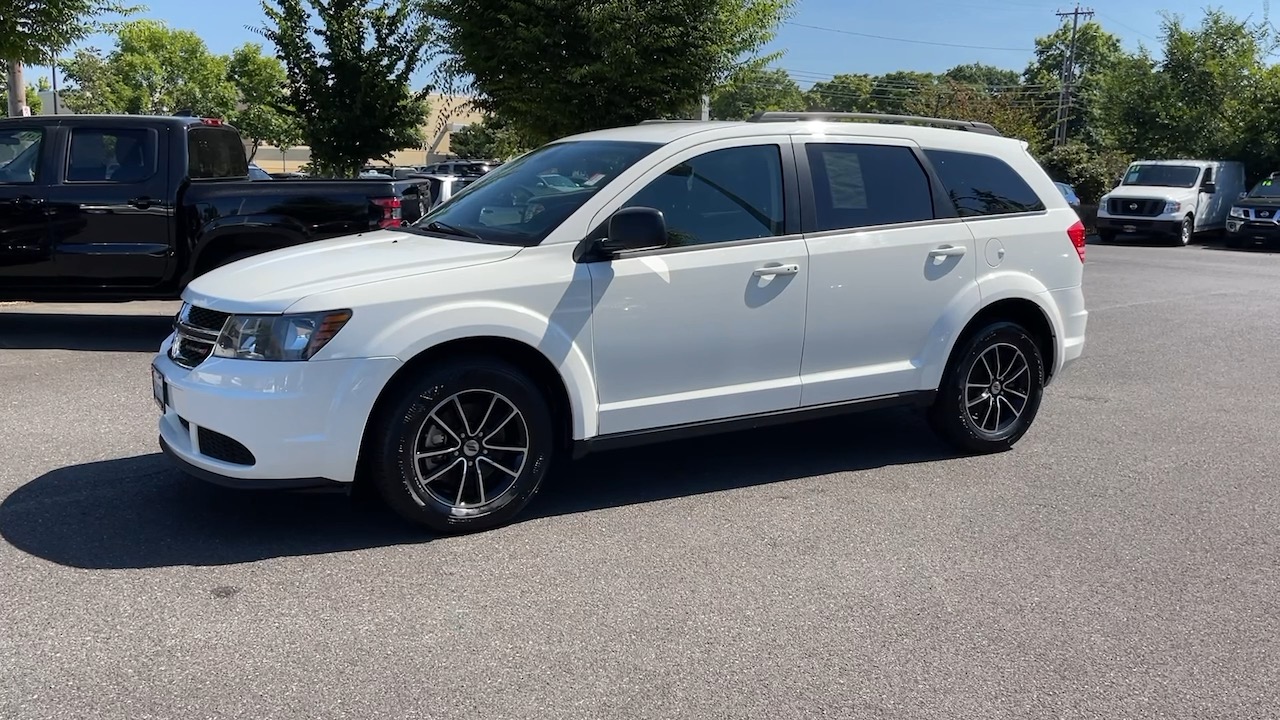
[1120, 563]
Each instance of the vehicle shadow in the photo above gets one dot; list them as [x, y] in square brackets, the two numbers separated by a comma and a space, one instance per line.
[140, 513]
[97, 333]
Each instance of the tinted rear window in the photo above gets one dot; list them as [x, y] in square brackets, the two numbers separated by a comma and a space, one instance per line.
[983, 185]
[215, 153]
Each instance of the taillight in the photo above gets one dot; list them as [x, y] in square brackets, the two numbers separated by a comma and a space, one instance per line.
[1078, 236]
[390, 212]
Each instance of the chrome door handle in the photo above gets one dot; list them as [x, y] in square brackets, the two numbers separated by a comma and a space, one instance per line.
[768, 270]
[948, 251]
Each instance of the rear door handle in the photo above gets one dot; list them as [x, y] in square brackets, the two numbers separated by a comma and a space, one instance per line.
[948, 251]
[768, 270]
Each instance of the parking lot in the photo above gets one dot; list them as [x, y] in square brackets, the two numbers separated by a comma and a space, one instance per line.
[1121, 562]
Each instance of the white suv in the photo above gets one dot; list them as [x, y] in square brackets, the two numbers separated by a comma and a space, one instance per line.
[695, 277]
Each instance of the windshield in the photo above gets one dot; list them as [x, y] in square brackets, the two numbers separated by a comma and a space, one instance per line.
[1266, 189]
[522, 201]
[1162, 175]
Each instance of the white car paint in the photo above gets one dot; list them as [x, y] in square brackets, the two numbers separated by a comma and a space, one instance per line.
[657, 340]
[1208, 210]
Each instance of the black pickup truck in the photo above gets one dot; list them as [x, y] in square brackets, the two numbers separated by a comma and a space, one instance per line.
[123, 207]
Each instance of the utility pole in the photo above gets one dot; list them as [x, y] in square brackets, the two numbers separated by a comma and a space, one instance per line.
[17, 90]
[1068, 72]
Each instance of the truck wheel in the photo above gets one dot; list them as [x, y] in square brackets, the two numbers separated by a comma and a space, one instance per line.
[1186, 231]
[464, 447]
[991, 391]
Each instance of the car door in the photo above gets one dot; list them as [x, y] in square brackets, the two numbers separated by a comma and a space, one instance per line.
[887, 258]
[26, 253]
[112, 219]
[712, 326]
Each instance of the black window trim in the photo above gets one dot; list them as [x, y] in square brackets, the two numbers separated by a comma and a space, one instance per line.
[943, 209]
[70, 134]
[42, 154]
[792, 207]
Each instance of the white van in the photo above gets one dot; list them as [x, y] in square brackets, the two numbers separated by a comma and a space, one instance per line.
[1171, 198]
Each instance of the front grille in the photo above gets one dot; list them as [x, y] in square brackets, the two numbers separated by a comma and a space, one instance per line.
[1263, 213]
[197, 329]
[220, 447]
[1135, 207]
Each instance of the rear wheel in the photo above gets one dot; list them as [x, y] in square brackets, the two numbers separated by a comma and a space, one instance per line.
[991, 391]
[466, 447]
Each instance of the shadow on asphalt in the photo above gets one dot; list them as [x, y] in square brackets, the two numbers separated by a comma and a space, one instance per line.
[98, 333]
[140, 513]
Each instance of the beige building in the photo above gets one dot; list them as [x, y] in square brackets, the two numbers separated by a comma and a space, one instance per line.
[448, 114]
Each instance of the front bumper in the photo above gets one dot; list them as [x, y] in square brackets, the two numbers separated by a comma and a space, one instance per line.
[1146, 227]
[249, 423]
[1252, 231]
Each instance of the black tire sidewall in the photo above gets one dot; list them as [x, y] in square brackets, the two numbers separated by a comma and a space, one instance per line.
[400, 422]
[949, 414]
[1186, 230]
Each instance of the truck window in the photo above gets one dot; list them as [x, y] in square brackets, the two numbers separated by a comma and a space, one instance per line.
[20, 155]
[215, 153]
[111, 156]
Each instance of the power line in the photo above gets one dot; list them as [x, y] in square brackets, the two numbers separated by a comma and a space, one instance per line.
[1068, 72]
[907, 40]
[1130, 28]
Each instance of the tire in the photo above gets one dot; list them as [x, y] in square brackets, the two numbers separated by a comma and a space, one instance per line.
[963, 415]
[428, 457]
[1186, 232]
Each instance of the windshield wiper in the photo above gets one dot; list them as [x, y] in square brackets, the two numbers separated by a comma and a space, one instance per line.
[437, 226]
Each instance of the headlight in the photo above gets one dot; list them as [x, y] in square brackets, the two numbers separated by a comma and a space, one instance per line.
[279, 337]
[1237, 212]
[1171, 207]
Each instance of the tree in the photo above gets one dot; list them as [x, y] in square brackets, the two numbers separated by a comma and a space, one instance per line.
[34, 31]
[33, 95]
[752, 89]
[351, 94]
[1097, 52]
[557, 67]
[490, 138]
[989, 77]
[153, 69]
[261, 114]
[842, 93]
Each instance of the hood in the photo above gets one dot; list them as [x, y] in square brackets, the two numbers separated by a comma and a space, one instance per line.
[273, 281]
[1151, 191]
[1267, 202]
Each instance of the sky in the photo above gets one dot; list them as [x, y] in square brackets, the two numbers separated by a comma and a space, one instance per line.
[918, 35]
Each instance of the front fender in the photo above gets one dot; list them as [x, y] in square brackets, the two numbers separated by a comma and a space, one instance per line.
[564, 346]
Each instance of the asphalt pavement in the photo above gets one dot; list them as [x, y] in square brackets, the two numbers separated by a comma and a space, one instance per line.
[1120, 562]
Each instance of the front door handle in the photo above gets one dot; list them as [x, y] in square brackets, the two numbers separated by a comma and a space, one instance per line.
[948, 251]
[142, 203]
[768, 270]
[28, 201]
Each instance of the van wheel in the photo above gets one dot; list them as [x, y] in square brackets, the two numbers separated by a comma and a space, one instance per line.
[465, 447]
[1186, 230]
[991, 391]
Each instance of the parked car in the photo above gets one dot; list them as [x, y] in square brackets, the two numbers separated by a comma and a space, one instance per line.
[439, 188]
[713, 276]
[1173, 199]
[257, 173]
[122, 207]
[464, 168]
[1255, 217]
[1069, 193]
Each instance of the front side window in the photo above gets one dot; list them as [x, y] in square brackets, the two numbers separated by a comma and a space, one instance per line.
[120, 155]
[20, 155]
[983, 185]
[515, 204]
[1183, 176]
[722, 196]
[865, 185]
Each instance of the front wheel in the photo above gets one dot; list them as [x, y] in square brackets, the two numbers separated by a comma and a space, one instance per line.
[466, 447]
[1186, 230]
[991, 391]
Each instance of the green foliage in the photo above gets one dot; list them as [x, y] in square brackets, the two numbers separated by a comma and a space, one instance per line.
[988, 77]
[1092, 173]
[488, 139]
[752, 89]
[33, 95]
[153, 70]
[557, 67]
[35, 31]
[351, 89]
[842, 93]
[262, 114]
[1097, 53]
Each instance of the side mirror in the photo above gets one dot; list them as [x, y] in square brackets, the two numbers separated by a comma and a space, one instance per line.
[635, 228]
[1210, 187]
[1242, 195]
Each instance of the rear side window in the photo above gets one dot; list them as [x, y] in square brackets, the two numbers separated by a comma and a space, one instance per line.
[117, 155]
[20, 155]
[865, 185]
[983, 185]
[215, 153]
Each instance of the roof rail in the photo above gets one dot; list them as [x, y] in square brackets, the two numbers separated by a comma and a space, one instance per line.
[662, 120]
[970, 125]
